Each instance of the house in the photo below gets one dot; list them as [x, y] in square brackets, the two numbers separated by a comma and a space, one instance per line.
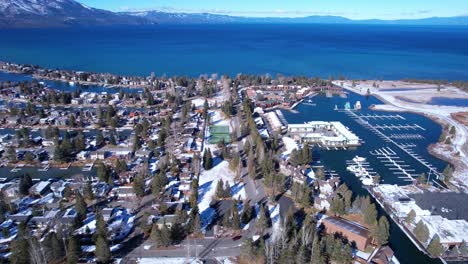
[22, 216]
[126, 192]
[68, 216]
[12, 120]
[83, 155]
[352, 231]
[384, 255]
[58, 188]
[167, 220]
[47, 219]
[40, 188]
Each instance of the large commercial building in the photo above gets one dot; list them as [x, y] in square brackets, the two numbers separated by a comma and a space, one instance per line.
[352, 231]
[327, 134]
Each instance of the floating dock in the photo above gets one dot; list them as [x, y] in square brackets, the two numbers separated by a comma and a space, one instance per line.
[406, 149]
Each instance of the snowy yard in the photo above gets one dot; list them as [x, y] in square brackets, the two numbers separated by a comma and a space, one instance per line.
[207, 182]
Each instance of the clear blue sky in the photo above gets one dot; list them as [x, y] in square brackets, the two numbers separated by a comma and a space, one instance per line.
[356, 9]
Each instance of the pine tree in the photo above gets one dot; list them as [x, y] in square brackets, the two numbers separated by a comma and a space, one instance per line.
[264, 221]
[207, 159]
[88, 192]
[235, 216]
[421, 232]
[382, 231]
[165, 236]
[20, 249]
[73, 250]
[80, 206]
[102, 252]
[370, 215]
[435, 248]
[139, 185]
[422, 179]
[219, 193]
[101, 226]
[411, 216]
[247, 213]
[448, 174]
[227, 190]
[25, 184]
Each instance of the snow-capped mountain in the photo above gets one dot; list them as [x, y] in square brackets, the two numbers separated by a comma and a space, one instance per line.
[59, 13]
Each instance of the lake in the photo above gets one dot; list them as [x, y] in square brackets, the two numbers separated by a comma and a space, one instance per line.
[353, 51]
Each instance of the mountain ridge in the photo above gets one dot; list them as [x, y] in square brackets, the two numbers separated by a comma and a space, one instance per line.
[194, 18]
[59, 13]
[69, 13]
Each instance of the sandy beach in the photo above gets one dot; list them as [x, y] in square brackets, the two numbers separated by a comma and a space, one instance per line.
[400, 96]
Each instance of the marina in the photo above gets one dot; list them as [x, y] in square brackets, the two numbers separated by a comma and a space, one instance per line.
[361, 168]
[374, 128]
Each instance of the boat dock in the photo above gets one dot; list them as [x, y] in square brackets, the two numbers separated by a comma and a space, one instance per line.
[17, 168]
[399, 127]
[404, 148]
[406, 136]
[281, 118]
[45, 168]
[382, 117]
[89, 166]
[396, 166]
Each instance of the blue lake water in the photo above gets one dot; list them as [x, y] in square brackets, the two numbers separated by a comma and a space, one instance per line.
[449, 101]
[354, 51]
[65, 86]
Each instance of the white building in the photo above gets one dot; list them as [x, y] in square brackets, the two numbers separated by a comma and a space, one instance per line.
[324, 133]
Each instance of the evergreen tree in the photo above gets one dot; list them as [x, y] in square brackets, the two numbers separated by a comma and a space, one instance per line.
[80, 142]
[448, 174]
[435, 248]
[102, 252]
[227, 190]
[165, 236]
[207, 159]
[88, 191]
[422, 179]
[25, 184]
[235, 216]
[20, 249]
[421, 232]
[370, 215]
[411, 216]
[101, 226]
[219, 193]
[99, 138]
[73, 250]
[80, 207]
[382, 231]
[158, 184]
[139, 185]
[247, 213]
[264, 221]
[337, 206]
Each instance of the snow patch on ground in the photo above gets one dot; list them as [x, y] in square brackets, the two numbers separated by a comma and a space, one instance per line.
[275, 220]
[162, 260]
[290, 145]
[207, 188]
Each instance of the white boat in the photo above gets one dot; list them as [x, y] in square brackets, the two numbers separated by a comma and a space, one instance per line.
[309, 101]
[358, 159]
[368, 180]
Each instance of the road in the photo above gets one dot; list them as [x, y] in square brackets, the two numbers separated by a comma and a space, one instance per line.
[201, 248]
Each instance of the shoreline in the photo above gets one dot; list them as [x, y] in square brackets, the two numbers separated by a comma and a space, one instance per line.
[83, 83]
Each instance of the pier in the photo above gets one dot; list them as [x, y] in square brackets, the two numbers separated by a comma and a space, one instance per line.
[406, 149]
[392, 161]
[382, 117]
[406, 136]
